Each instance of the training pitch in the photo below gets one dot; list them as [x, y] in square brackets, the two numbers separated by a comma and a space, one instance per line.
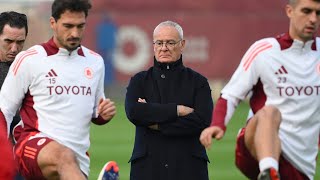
[114, 141]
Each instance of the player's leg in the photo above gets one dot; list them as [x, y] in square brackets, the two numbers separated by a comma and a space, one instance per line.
[59, 162]
[261, 137]
[42, 158]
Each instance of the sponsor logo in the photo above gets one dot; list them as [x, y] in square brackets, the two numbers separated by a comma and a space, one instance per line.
[75, 90]
[30, 152]
[55, 89]
[308, 90]
[281, 70]
[41, 141]
[51, 73]
[299, 90]
[281, 75]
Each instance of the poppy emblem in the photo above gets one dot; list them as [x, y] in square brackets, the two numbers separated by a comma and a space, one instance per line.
[88, 73]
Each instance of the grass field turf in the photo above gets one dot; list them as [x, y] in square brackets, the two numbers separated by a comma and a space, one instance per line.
[114, 141]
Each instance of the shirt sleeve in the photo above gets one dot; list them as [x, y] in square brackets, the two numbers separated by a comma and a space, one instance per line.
[100, 90]
[15, 86]
[241, 83]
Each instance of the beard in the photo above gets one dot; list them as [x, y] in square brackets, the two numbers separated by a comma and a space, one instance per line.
[70, 44]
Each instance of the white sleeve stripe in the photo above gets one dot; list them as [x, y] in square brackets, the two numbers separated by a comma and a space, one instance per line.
[253, 53]
[253, 48]
[21, 58]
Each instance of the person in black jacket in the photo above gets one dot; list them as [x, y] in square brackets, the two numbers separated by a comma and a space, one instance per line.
[13, 34]
[170, 105]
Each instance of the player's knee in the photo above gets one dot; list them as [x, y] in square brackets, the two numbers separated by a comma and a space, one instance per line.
[67, 156]
[63, 158]
[272, 113]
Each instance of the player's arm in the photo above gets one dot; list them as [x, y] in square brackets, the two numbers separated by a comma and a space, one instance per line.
[106, 111]
[198, 119]
[222, 114]
[241, 83]
[15, 86]
[225, 106]
[105, 108]
[146, 114]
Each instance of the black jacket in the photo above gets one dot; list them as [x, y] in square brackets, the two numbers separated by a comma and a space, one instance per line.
[174, 151]
[4, 69]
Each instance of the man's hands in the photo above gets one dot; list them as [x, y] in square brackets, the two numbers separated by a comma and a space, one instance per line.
[181, 109]
[106, 109]
[140, 100]
[209, 133]
[184, 110]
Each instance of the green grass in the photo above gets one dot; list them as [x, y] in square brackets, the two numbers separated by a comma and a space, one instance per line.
[114, 141]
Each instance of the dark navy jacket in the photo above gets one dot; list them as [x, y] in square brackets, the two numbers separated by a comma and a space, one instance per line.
[174, 151]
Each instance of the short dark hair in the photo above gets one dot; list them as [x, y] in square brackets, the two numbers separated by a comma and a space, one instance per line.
[13, 19]
[60, 6]
[293, 2]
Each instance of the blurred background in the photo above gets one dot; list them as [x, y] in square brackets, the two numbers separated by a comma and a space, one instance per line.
[217, 33]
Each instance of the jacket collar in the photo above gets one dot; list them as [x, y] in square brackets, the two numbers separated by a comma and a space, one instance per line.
[286, 42]
[52, 49]
[168, 66]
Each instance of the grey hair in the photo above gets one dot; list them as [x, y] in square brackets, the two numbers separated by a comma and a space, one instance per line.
[172, 24]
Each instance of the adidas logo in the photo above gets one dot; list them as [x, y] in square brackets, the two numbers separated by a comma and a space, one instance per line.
[52, 73]
[281, 70]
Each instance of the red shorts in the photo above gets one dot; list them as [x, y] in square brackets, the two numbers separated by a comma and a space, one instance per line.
[249, 166]
[27, 154]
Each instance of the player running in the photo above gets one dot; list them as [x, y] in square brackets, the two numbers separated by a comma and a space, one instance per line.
[284, 75]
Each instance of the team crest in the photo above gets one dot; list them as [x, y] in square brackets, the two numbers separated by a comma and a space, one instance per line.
[88, 73]
[41, 141]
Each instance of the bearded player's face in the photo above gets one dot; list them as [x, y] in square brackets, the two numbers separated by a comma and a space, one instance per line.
[68, 30]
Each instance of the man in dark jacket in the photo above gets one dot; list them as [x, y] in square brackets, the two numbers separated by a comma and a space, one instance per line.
[13, 33]
[170, 105]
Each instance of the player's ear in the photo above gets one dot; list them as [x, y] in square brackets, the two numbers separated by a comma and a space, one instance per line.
[52, 22]
[289, 10]
[183, 44]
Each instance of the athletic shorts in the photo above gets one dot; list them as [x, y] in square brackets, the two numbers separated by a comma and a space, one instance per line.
[249, 166]
[27, 154]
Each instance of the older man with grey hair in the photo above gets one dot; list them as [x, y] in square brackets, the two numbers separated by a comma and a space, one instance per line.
[170, 105]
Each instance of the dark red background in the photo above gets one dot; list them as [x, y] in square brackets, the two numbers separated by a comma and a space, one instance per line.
[229, 26]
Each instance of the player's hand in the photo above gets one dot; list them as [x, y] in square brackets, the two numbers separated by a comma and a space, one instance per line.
[184, 110]
[208, 134]
[140, 100]
[154, 127]
[106, 109]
